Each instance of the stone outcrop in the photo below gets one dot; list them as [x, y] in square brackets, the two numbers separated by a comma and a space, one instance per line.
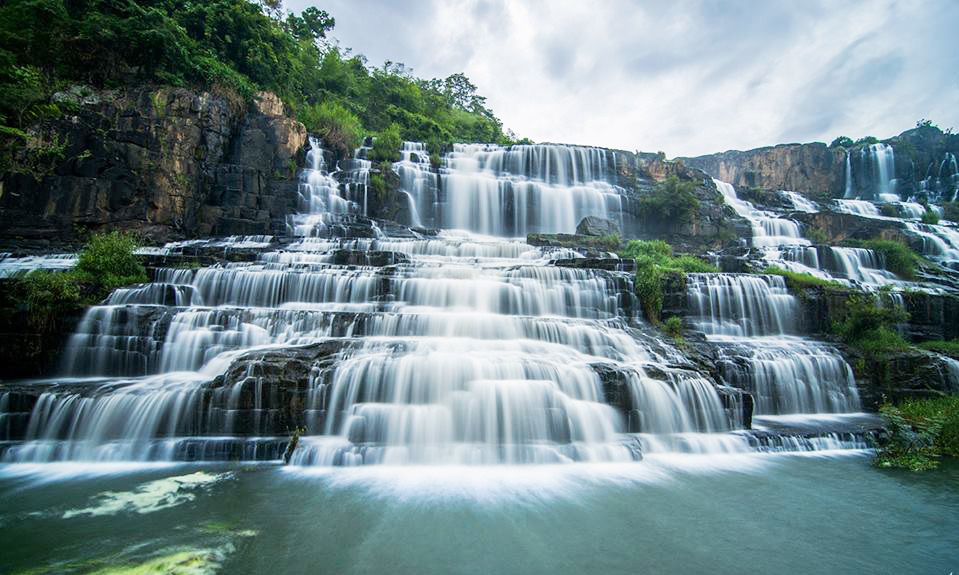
[819, 172]
[167, 163]
[814, 170]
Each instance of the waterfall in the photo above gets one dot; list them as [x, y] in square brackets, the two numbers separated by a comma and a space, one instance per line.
[427, 347]
[800, 202]
[857, 207]
[513, 191]
[880, 161]
[768, 229]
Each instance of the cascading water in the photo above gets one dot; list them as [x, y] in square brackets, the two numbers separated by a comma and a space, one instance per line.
[513, 191]
[879, 161]
[423, 349]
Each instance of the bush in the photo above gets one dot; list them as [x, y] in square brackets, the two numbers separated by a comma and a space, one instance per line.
[386, 146]
[674, 200]
[673, 327]
[889, 210]
[108, 261]
[340, 129]
[930, 217]
[50, 296]
[817, 236]
[654, 261]
[869, 327]
[921, 431]
[842, 142]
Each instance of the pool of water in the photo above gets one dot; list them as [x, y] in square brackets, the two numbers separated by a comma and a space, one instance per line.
[667, 514]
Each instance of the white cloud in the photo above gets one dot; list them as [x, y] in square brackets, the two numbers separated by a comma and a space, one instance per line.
[688, 78]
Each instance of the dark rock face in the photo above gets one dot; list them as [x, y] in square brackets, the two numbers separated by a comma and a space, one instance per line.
[840, 227]
[168, 163]
[902, 375]
[593, 226]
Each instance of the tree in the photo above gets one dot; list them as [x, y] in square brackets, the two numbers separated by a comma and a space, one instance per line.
[842, 142]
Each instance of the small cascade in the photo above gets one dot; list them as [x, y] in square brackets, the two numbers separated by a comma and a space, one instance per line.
[741, 304]
[800, 202]
[857, 207]
[878, 163]
[11, 267]
[320, 195]
[749, 319]
[357, 178]
[517, 190]
[769, 230]
[417, 181]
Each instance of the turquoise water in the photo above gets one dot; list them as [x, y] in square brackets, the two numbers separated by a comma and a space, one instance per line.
[679, 514]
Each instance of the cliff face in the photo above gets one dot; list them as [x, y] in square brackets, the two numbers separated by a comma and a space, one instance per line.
[922, 156]
[813, 170]
[168, 163]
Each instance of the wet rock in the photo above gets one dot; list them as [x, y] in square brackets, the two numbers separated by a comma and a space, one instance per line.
[594, 226]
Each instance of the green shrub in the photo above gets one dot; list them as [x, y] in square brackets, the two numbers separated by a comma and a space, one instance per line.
[673, 327]
[869, 327]
[921, 431]
[654, 261]
[889, 210]
[798, 281]
[817, 236]
[108, 261]
[340, 129]
[930, 217]
[673, 200]
[842, 142]
[49, 296]
[387, 145]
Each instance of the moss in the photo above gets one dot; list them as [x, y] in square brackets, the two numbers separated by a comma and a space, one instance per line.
[950, 348]
[796, 281]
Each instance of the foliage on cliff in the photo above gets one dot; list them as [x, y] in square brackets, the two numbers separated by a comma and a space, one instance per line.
[654, 261]
[897, 256]
[106, 263]
[230, 46]
[921, 431]
[672, 200]
[870, 327]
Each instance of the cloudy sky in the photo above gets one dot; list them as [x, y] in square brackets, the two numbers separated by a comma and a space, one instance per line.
[685, 77]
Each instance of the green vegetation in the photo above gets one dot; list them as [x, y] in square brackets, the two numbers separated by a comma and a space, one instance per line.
[930, 217]
[869, 327]
[950, 348]
[673, 328]
[654, 261]
[386, 147]
[842, 142]
[889, 210]
[817, 236]
[673, 200]
[341, 130]
[798, 281]
[106, 263]
[921, 431]
[867, 141]
[899, 259]
[230, 47]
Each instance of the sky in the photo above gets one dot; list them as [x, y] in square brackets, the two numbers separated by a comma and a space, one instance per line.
[686, 77]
